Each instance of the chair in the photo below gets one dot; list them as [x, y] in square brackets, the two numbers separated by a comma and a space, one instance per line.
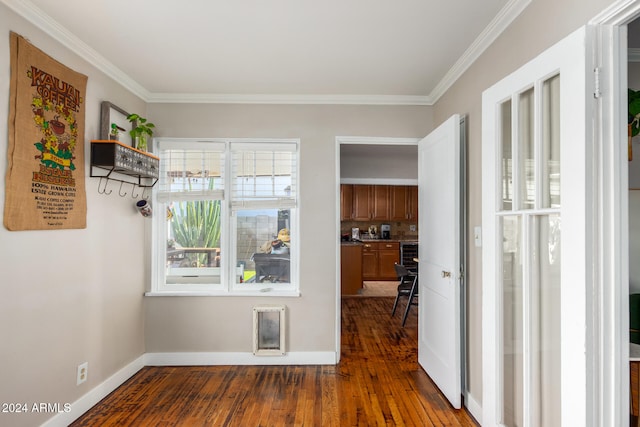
[408, 287]
[634, 318]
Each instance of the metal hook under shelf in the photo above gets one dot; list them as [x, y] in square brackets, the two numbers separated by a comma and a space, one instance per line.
[104, 189]
[146, 193]
[120, 190]
[135, 196]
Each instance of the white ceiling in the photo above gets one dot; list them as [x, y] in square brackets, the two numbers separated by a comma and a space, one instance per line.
[290, 51]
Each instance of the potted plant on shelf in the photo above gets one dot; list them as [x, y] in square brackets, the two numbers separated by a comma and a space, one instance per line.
[141, 129]
[633, 122]
[114, 134]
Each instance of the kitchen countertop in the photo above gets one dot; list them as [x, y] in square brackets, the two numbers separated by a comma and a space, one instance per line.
[379, 240]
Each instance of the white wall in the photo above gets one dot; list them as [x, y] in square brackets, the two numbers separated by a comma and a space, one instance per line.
[67, 296]
[380, 163]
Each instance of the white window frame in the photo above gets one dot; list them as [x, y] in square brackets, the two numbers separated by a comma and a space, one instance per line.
[227, 285]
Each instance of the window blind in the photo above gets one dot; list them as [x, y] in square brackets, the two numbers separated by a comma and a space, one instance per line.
[191, 170]
[264, 175]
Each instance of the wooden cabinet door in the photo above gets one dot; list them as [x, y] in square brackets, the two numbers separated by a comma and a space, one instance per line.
[412, 202]
[398, 202]
[346, 201]
[380, 202]
[360, 209]
[369, 261]
[351, 269]
[388, 255]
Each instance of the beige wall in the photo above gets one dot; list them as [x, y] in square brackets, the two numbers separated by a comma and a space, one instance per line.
[68, 296]
[224, 323]
[543, 23]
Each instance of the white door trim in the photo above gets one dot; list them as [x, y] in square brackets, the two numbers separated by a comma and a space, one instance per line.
[609, 349]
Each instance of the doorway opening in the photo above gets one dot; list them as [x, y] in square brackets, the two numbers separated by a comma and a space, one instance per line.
[367, 161]
[378, 212]
[359, 173]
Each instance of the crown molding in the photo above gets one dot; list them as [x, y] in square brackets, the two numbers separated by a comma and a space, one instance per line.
[618, 13]
[205, 98]
[37, 17]
[44, 22]
[505, 17]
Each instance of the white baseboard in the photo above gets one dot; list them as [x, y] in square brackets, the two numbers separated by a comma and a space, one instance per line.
[474, 408]
[206, 358]
[95, 395]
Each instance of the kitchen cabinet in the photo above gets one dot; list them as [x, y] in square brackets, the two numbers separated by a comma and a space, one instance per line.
[388, 256]
[404, 203]
[378, 259]
[399, 202]
[379, 202]
[346, 201]
[360, 210]
[369, 262]
[412, 202]
[351, 269]
[369, 202]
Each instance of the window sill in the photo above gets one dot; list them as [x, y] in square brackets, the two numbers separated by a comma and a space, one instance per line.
[248, 293]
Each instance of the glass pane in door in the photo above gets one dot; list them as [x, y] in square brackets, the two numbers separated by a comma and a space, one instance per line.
[512, 323]
[506, 156]
[545, 339]
[551, 142]
[526, 147]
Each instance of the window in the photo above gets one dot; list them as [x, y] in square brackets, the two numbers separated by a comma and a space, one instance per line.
[229, 217]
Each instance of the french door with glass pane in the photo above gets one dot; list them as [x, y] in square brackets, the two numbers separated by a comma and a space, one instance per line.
[534, 174]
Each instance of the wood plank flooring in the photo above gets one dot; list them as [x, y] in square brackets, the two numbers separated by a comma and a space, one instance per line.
[378, 382]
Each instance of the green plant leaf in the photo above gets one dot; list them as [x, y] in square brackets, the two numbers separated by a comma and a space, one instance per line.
[197, 224]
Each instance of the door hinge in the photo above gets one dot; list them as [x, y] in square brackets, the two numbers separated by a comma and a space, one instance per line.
[461, 272]
[596, 83]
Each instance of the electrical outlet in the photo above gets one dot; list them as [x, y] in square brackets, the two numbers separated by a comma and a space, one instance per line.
[412, 227]
[83, 372]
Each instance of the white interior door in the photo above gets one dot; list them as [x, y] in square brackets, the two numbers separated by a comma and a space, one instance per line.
[439, 301]
[535, 171]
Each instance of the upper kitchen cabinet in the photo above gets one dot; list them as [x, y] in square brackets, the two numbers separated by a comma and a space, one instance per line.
[346, 202]
[370, 202]
[412, 202]
[399, 202]
[404, 203]
[378, 202]
[360, 210]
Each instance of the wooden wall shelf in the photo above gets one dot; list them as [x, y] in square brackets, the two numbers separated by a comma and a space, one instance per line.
[116, 161]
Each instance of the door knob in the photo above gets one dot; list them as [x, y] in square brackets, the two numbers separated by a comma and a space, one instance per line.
[446, 273]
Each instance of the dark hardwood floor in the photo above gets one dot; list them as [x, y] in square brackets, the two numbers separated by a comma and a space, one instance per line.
[377, 382]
